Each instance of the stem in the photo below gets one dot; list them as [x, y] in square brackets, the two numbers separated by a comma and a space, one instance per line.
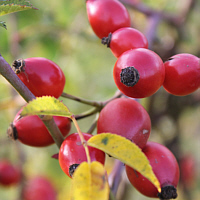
[141, 7]
[98, 104]
[81, 100]
[7, 72]
[94, 124]
[54, 131]
[115, 176]
[87, 113]
[83, 141]
[117, 94]
[151, 32]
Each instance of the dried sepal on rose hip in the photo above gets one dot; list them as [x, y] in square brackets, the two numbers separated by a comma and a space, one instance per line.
[107, 16]
[42, 76]
[30, 130]
[164, 166]
[72, 153]
[139, 73]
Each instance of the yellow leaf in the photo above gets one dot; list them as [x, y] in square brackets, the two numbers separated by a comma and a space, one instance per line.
[125, 151]
[90, 182]
[46, 105]
[11, 6]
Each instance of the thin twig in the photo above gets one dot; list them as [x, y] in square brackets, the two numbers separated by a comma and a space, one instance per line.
[99, 104]
[87, 113]
[54, 131]
[115, 176]
[141, 7]
[81, 100]
[151, 30]
[94, 124]
[118, 94]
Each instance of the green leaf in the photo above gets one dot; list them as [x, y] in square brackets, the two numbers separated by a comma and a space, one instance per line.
[2, 24]
[90, 182]
[10, 6]
[125, 151]
[46, 105]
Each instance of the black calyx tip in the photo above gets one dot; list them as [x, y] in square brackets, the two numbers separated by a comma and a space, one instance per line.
[129, 76]
[168, 192]
[18, 66]
[12, 132]
[107, 40]
[72, 168]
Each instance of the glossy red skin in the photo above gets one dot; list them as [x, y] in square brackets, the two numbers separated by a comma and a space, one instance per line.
[125, 39]
[164, 166]
[125, 117]
[72, 152]
[39, 188]
[182, 74]
[106, 16]
[151, 70]
[43, 77]
[9, 173]
[32, 131]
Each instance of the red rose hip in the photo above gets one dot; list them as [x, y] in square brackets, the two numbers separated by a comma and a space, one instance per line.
[107, 16]
[125, 39]
[139, 73]
[125, 117]
[30, 130]
[42, 76]
[164, 166]
[182, 74]
[9, 174]
[72, 153]
[39, 188]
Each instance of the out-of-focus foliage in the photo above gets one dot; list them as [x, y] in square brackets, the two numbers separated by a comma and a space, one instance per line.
[60, 31]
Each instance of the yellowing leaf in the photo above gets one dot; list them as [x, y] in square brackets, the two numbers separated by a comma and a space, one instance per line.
[90, 182]
[46, 106]
[10, 6]
[125, 151]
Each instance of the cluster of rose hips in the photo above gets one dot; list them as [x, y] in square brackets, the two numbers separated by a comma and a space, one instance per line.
[138, 73]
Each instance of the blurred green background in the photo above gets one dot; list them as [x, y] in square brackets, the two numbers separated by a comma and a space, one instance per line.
[59, 31]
